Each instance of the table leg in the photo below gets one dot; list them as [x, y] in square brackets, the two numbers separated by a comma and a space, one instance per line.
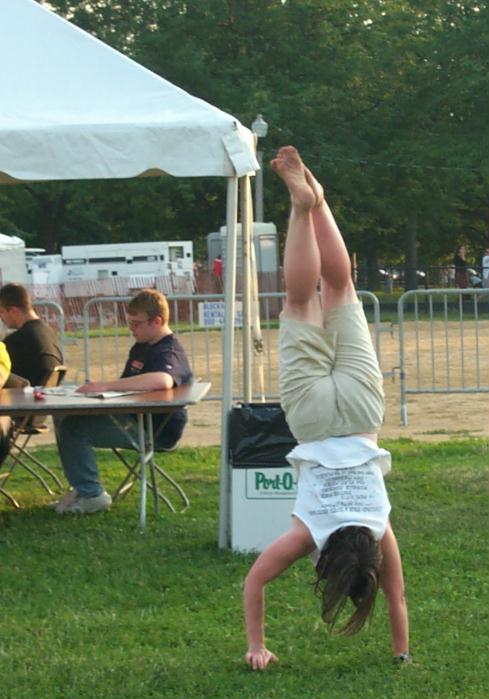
[142, 461]
[150, 452]
[145, 448]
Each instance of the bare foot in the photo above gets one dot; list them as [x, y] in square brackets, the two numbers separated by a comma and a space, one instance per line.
[290, 168]
[315, 186]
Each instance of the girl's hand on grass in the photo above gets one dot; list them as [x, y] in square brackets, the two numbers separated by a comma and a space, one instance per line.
[258, 659]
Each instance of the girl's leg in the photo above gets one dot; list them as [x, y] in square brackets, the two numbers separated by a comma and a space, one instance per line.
[302, 261]
[337, 286]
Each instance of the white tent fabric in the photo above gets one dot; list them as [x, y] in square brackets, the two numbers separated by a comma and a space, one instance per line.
[10, 242]
[71, 107]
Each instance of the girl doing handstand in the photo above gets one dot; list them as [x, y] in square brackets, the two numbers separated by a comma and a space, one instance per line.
[332, 396]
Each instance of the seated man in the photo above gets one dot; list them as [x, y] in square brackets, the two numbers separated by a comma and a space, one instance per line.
[33, 347]
[157, 361]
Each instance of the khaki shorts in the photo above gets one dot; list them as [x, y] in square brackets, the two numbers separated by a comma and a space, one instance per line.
[330, 380]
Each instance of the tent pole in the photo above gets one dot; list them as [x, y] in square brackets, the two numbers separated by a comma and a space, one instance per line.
[255, 317]
[228, 351]
[247, 242]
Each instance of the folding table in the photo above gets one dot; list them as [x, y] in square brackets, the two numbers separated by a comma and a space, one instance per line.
[17, 403]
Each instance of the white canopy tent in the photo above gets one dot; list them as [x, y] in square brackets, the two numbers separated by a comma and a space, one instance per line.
[12, 259]
[71, 108]
[74, 108]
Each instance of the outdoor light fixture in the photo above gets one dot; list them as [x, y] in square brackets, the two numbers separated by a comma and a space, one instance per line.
[259, 127]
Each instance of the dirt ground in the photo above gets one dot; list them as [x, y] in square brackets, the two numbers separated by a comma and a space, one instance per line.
[457, 416]
[434, 357]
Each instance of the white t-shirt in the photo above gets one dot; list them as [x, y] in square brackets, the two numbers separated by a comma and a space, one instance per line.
[341, 484]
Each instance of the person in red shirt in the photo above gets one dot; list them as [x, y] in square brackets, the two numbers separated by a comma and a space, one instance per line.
[217, 272]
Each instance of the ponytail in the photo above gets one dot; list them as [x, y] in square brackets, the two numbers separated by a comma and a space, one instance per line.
[349, 567]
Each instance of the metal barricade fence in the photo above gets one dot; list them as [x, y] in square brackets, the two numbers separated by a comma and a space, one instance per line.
[52, 314]
[440, 342]
[198, 320]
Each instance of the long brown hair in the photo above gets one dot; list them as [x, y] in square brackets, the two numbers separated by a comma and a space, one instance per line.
[349, 567]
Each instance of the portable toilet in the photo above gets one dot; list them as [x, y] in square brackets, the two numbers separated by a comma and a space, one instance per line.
[12, 260]
[214, 247]
[265, 238]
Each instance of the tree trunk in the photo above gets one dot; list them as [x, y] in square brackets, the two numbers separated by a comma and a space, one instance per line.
[372, 270]
[51, 205]
[411, 253]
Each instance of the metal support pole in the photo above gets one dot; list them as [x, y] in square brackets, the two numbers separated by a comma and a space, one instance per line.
[259, 188]
[228, 351]
[247, 243]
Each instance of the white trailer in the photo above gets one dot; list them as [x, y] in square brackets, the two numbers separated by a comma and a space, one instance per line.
[30, 254]
[159, 258]
[46, 269]
[12, 260]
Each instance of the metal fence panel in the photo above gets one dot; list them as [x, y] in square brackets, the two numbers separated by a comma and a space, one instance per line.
[449, 329]
[107, 339]
[52, 314]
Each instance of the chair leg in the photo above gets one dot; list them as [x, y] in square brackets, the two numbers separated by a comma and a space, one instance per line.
[10, 498]
[160, 496]
[133, 473]
[176, 485]
[124, 487]
[38, 463]
[127, 483]
[33, 473]
[16, 459]
[154, 486]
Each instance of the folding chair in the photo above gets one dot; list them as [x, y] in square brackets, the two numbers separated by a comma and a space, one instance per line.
[134, 474]
[23, 431]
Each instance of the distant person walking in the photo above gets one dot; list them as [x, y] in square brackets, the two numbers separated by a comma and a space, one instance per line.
[217, 273]
[197, 268]
[485, 268]
[460, 264]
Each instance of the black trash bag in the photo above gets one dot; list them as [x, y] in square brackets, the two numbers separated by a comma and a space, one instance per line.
[259, 435]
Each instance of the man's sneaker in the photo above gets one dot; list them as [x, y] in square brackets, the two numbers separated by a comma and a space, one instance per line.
[85, 506]
[67, 499]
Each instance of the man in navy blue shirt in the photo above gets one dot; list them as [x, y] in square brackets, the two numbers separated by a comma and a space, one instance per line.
[156, 361]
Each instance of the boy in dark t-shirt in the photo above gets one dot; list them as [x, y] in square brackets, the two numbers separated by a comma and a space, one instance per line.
[168, 355]
[156, 361]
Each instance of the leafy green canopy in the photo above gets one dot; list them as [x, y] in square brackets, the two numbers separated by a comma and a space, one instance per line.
[385, 99]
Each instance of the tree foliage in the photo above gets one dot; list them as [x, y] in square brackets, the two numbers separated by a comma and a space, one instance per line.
[384, 98]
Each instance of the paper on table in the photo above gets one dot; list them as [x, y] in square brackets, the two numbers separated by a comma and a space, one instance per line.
[64, 390]
[109, 394]
[72, 390]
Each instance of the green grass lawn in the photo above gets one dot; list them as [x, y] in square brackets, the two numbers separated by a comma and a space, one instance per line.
[92, 608]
